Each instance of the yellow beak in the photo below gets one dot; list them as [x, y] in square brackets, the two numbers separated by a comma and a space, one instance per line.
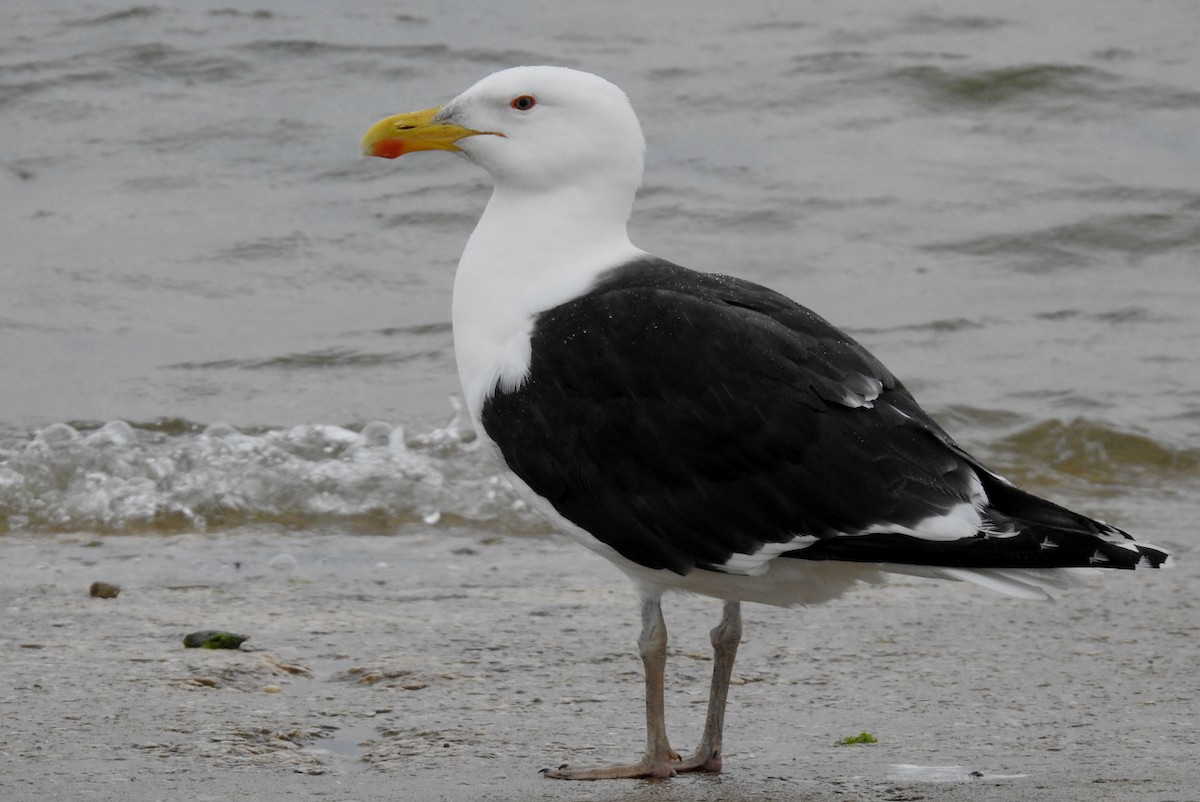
[405, 133]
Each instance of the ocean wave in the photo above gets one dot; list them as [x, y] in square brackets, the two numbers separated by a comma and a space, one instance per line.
[174, 475]
[324, 358]
[988, 87]
[1133, 235]
[1095, 456]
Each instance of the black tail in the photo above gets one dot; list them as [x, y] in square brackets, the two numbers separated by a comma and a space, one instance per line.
[1022, 531]
[1072, 539]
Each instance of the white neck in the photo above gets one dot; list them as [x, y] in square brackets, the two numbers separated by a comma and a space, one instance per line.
[529, 252]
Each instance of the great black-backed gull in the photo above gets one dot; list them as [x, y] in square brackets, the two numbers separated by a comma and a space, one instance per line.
[704, 433]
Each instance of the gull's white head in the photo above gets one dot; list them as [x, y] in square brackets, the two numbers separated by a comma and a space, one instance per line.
[565, 151]
[535, 129]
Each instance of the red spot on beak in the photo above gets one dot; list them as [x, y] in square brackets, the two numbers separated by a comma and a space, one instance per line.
[388, 148]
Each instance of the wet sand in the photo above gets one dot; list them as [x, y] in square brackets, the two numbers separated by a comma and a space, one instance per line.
[452, 664]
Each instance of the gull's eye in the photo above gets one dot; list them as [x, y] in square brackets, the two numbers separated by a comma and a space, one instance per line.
[523, 102]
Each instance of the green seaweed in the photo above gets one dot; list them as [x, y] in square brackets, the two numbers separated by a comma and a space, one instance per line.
[213, 639]
[861, 738]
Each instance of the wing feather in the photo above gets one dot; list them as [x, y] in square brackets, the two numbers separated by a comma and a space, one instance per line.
[684, 418]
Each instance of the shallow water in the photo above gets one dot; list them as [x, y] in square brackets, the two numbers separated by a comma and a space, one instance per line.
[1002, 201]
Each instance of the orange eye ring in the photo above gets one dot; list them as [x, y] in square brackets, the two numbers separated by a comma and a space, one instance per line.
[523, 102]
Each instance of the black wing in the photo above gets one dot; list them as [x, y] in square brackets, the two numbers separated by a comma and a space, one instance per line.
[683, 417]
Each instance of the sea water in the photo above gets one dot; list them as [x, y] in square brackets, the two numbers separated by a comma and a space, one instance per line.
[214, 312]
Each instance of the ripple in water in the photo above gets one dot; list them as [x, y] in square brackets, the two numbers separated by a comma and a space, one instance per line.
[177, 476]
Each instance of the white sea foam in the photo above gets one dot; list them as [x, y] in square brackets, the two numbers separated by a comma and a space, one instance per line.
[136, 477]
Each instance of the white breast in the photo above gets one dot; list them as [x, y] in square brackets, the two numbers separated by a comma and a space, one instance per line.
[523, 259]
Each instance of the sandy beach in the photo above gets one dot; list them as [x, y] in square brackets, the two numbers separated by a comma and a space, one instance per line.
[452, 664]
[226, 331]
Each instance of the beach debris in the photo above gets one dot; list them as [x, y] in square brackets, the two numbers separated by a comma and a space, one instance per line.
[213, 639]
[861, 738]
[289, 668]
[104, 590]
[283, 562]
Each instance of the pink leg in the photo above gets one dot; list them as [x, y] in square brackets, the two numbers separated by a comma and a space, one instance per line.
[725, 639]
[660, 760]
